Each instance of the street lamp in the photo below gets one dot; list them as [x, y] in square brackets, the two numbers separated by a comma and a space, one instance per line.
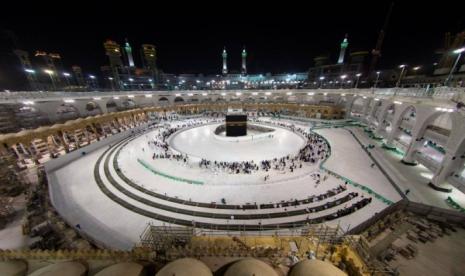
[322, 78]
[459, 52]
[111, 83]
[67, 75]
[343, 77]
[377, 78]
[31, 77]
[131, 80]
[402, 66]
[358, 78]
[50, 74]
[92, 81]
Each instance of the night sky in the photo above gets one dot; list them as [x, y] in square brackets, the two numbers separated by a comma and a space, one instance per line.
[279, 36]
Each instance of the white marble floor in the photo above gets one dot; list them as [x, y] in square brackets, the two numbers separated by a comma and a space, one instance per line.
[79, 200]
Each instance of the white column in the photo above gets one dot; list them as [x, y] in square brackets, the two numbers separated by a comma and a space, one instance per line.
[450, 165]
[409, 158]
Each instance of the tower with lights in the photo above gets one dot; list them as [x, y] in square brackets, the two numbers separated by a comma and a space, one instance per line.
[244, 62]
[225, 62]
[128, 50]
[342, 54]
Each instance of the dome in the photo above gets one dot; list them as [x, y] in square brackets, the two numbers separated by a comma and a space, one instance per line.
[315, 268]
[250, 267]
[185, 267]
[13, 268]
[122, 269]
[60, 269]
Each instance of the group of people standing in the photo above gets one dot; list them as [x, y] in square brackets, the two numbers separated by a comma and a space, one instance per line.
[315, 149]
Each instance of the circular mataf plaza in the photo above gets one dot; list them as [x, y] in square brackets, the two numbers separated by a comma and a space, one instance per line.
[264, 173]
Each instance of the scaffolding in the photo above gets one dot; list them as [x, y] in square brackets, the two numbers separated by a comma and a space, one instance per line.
[161, 238]
[177, 241]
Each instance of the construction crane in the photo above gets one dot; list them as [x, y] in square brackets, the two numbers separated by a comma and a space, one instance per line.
[376, 52]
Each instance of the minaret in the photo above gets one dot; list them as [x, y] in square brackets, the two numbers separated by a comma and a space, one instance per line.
[244, 62]
[128, 50]
[225, 62]
[344, 45]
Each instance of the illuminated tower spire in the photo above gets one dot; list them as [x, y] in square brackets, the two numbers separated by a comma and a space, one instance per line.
[244, 62]
[128, 50]
[225, 62]
[342, 54]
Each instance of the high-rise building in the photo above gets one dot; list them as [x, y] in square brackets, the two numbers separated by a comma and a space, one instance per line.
[149, 56]
[447, 60]
[225, 62]
[77, 71]
[149, 61]
[27, 67]
[51, 65]
[57, 64]
[113, 51]
[244, 62]
[128, 50]
[342, 53]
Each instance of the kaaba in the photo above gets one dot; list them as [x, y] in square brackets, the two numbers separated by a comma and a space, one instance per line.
[236, 125]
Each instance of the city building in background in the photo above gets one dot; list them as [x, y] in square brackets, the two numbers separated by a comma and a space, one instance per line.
[119, 75]
[353, 69]
[45, 71]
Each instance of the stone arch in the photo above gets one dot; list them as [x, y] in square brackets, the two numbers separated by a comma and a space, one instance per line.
[403, 126]
[342, 102]
[357, 106]
[163, 101]
[67, 111]
[30, 116]
[386, 119]
[438, 122]
[129, 104]
[441, 122]
[250, 99]
[278, 99]
[111, 105]
[370, 102]
[292, 98]
[178, 99]
[458, 169]
[377, 107]
[387, 113]
[408, 115]
[93, 108]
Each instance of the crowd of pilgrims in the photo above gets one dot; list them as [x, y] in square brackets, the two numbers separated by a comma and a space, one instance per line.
[315, 149]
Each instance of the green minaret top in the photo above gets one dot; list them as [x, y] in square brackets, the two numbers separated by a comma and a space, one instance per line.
[345, 42]
[127, 47]
[244, 53]
[225, 55]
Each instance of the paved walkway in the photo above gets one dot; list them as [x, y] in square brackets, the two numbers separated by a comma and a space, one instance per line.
[413, 178]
